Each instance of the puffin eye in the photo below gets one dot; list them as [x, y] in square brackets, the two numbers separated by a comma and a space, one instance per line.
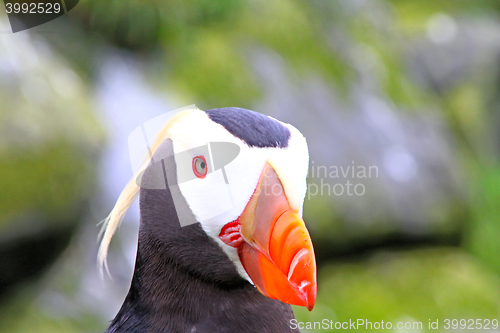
[200, 166]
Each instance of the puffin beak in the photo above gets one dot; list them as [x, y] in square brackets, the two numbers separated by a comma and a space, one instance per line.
[277, 251]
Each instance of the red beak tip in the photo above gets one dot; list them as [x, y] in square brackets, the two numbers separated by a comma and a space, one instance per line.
[308, 291]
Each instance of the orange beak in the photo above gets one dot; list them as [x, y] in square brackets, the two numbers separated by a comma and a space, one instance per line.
[276, 250]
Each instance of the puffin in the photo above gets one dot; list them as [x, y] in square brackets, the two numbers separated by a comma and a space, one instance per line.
[222, 246]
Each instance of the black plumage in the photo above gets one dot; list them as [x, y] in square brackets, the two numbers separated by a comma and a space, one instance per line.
[253, 128]
[184, 282]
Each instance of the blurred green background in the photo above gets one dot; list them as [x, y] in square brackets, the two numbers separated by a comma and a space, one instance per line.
[408, 87]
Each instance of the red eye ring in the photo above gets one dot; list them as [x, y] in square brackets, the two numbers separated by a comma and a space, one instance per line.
[200, 167]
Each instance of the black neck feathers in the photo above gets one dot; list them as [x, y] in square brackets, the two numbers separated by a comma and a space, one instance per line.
[184, 282]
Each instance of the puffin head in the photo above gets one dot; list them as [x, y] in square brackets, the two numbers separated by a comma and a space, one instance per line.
[250, 207]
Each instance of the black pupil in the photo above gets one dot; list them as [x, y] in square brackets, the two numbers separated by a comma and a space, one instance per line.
[202, 164]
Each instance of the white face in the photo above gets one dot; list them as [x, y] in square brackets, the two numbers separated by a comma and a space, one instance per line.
[215, 203]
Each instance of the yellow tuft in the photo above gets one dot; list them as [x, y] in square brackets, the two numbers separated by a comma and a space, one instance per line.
[130, 193]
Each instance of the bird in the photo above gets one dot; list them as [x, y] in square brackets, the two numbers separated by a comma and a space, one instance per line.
[246, 256]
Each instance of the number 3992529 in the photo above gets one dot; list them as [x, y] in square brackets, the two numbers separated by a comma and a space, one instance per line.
[484, 324]
[33, 8]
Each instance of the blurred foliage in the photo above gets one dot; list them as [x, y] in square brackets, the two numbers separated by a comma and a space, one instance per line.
[413, 15]
[206, 43]
[57, 173]
[483, 232]
[16, 317]
[49, 136]
[49, 143]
